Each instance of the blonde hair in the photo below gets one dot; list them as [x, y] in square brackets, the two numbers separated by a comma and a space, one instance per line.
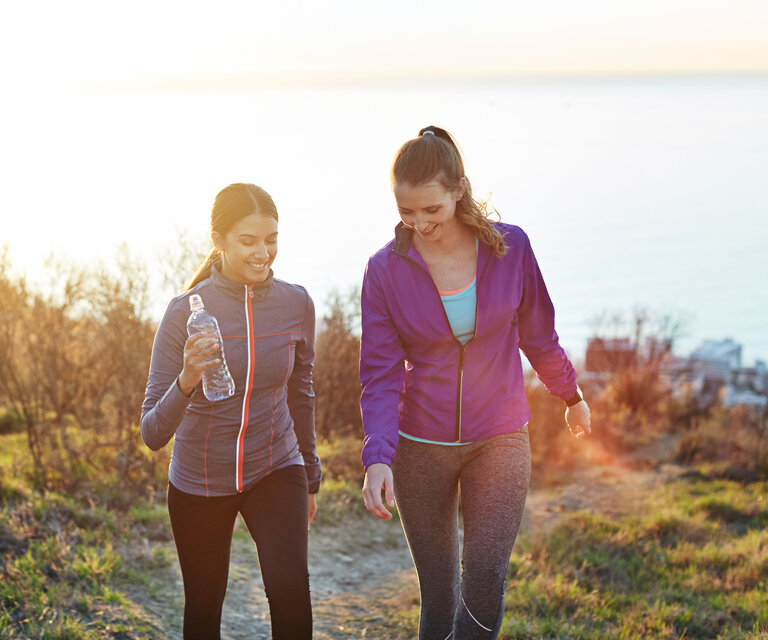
[232, 204]
[436, 156]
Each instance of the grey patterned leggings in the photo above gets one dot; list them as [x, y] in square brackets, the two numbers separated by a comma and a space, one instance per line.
[493, 477]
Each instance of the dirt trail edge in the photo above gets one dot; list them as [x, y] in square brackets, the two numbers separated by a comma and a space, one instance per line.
[358, 566]
[351, 567]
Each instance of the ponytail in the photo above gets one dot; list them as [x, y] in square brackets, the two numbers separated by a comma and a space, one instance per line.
[204, 269]
[434, 155]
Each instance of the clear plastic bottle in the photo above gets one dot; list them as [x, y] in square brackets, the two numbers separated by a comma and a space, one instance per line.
[217, 381]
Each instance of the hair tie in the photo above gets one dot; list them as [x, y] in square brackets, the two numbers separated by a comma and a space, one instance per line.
[427, 133]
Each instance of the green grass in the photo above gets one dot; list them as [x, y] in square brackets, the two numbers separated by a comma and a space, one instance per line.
[65, 560]
[340, 458]
[68, 562]
[340, 495]
[696, 567]
[62, 572]
[338, 500]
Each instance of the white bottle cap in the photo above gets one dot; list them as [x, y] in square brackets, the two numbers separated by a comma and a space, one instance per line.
[195, 302]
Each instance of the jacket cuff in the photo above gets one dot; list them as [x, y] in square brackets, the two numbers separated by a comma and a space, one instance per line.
[314, 474]
[574, 399]
[373, 454]
[178, 386]
[174, 403]
[567, 394]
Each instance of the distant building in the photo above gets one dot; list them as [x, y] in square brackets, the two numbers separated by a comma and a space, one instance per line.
[719, 352]
[609, 355]
[689, 382]
[747, 386]
[712, 374]
[656, 350]
[710, 368]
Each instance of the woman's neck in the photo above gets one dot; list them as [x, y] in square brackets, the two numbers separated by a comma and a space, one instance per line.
[458, 238]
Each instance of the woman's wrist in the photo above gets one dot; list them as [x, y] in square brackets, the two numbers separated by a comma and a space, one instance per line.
[575, 398]
[185, 389]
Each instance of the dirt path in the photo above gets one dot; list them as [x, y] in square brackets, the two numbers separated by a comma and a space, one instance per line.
[611, 491]
[614, 490]
[357, 569]
[346, 564]
[352, 567]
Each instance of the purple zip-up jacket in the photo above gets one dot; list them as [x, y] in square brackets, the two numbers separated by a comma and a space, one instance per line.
[417, 378]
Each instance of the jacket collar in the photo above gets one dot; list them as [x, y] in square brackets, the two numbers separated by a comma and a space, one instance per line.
[403, 239]
[236, 289]
[403, 246]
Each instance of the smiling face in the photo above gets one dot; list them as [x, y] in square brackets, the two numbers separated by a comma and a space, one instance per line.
[429, 209]
[248, 249]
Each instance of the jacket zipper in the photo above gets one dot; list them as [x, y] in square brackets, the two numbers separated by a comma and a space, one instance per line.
[460, 385]
[462, 347]
[240, 444]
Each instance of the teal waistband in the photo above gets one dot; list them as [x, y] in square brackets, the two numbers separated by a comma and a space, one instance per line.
[446, 444]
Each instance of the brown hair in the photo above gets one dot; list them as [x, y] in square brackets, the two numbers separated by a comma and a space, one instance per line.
[436, 156]
[232, 204]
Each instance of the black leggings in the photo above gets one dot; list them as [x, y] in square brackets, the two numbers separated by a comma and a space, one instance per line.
[275, 512]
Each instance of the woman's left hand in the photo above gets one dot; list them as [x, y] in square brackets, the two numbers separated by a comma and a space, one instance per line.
[312, 504]
[578, 419]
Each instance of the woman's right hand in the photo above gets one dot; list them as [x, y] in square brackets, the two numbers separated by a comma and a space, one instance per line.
[579, 420]
[198, 348]
[378, 476]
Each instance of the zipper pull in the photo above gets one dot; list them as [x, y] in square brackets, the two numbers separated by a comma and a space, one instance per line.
[250, 290]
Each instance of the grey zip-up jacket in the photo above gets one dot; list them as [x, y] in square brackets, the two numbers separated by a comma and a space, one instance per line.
[221, 448]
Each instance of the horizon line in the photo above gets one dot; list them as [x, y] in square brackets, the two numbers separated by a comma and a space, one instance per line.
[329, 78]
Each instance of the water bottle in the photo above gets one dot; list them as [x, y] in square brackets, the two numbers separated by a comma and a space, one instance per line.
[217, 381]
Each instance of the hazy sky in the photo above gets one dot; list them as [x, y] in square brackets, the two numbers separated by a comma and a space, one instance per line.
[94, 42]
[119, 123]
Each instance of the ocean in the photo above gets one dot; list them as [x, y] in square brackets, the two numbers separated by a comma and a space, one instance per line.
[637, 191]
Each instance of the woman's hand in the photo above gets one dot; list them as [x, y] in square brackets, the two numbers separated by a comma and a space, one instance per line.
[578, 419]
[198, 348]
[378, 476]
[312, 504]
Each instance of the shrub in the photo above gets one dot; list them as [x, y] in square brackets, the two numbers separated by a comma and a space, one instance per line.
[10, 421]
[729, 438]
[336, 378]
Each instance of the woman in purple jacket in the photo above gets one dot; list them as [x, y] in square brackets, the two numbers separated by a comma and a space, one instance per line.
[446, 307]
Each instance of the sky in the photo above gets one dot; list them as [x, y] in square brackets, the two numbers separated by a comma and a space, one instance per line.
[119, 118]
[156, 43]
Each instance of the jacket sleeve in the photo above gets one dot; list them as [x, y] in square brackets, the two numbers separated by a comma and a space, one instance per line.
[164, 404]
[382, 369]
[538, 339]
[301, 398]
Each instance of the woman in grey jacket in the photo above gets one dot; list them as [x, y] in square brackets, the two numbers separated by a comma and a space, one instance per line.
[252, 453]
